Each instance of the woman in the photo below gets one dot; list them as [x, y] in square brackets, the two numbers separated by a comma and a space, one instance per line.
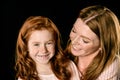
[94, 44]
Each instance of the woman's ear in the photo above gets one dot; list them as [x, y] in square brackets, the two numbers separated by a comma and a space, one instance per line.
[100, 48]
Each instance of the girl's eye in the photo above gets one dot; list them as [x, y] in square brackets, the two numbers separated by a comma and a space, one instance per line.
[36, 44]
[50, 43]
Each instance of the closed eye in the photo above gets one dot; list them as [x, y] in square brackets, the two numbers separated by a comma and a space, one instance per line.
[73, 30]
[86, 41]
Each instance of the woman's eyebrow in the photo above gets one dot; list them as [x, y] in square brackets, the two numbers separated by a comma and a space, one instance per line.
[86, 37]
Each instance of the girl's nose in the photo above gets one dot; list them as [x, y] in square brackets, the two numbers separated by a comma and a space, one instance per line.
[43, 49]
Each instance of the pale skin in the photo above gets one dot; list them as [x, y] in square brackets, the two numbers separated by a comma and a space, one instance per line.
[41, 46]
[85, 44]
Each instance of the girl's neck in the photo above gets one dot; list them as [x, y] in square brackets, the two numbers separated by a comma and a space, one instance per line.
[44, 69]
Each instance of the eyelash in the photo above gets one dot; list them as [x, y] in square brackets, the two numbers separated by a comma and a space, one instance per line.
[36, 44]
[73, 31]
[85, 41]
[49, 43]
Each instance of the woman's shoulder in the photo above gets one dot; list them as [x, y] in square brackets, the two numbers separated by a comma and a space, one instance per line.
[118, 62]
[112, 71]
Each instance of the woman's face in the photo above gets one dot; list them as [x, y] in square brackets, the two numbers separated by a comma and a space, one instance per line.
[41, 46]
[84, 41]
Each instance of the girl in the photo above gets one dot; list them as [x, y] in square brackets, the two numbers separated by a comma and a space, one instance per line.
[39, 55]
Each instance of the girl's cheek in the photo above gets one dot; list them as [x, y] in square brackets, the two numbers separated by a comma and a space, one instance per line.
[34, 51]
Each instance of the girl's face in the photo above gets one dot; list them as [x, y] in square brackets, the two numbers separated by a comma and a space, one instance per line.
[41, 46]
[84, 41]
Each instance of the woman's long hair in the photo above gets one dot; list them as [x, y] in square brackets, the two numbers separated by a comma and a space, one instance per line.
[25, 66]
[104, 23]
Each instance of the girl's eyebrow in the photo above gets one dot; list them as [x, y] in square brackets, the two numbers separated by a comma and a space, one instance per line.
[51, 40]
[46, 41]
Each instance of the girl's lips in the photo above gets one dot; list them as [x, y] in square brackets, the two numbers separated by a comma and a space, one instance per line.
[43, 55]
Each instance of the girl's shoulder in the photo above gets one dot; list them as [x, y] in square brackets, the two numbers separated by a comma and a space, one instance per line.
[19, 78]
[74, 71]
[72, 65]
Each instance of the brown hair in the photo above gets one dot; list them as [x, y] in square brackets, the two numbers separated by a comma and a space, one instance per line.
[104, 23]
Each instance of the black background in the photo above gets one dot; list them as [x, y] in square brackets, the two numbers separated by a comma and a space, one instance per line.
[62, 12]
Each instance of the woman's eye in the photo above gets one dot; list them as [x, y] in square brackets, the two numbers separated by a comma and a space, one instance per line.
[85, 41]
[73, 30]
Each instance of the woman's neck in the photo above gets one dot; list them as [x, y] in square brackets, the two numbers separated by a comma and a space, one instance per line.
[83, 64]
[85, 61]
